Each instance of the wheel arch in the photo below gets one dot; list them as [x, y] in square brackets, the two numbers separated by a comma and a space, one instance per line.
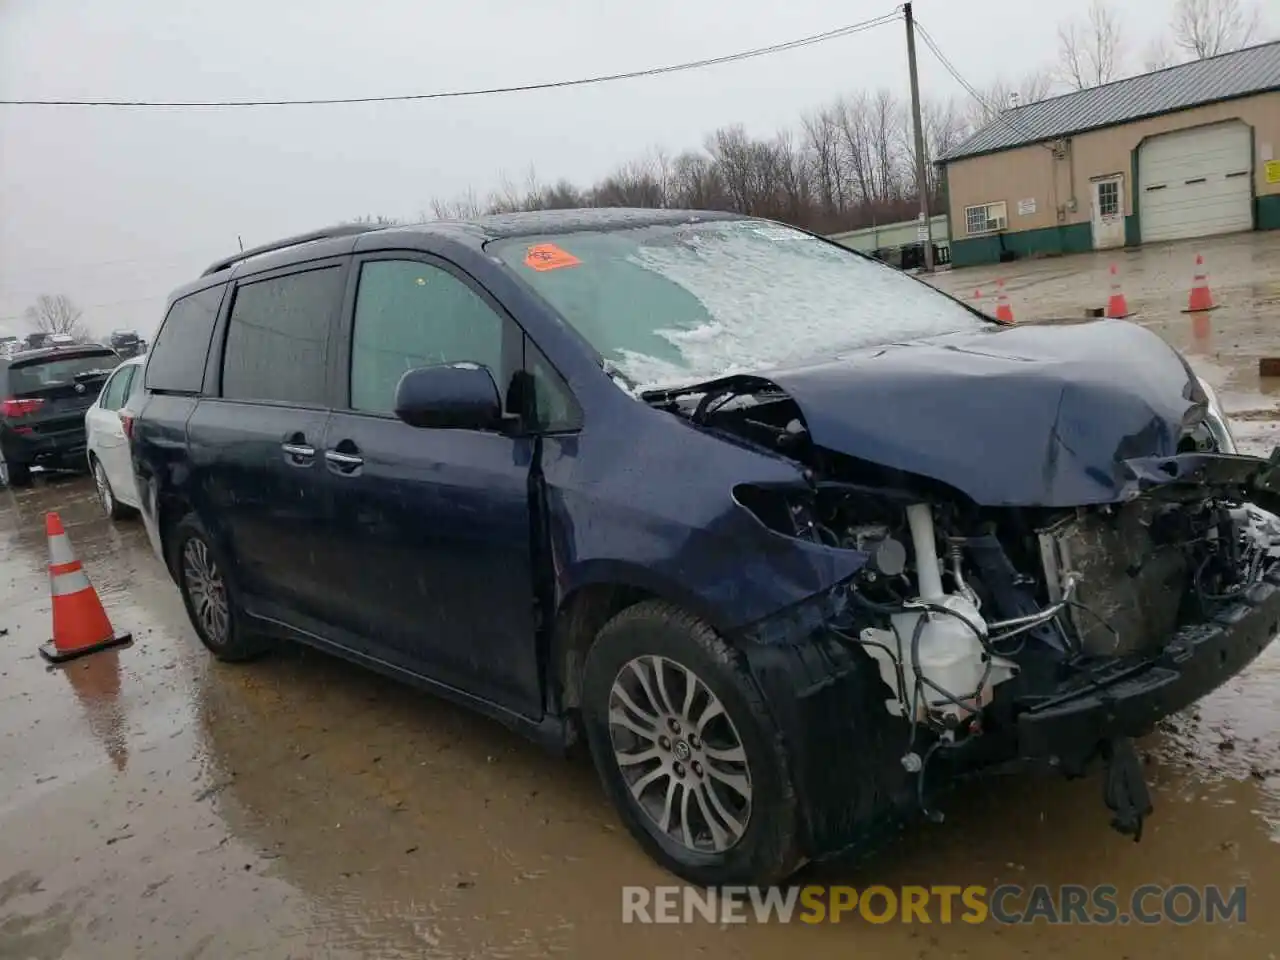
[590, 600]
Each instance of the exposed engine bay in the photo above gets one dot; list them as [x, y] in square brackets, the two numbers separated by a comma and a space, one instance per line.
[969, 612]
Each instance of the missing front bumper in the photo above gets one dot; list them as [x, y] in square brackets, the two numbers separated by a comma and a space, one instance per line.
[1127, 697]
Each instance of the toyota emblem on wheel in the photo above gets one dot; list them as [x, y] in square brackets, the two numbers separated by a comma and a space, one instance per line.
[79, 388]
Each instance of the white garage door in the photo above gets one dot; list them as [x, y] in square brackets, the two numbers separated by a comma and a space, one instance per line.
[1195, 183]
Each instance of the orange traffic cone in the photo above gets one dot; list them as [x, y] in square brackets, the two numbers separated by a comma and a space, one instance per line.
[80, 625]
[1201, 299]
[1004, 312]
[1117, 306]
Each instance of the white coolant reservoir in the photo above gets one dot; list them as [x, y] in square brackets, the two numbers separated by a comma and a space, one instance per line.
[949, 650]
[949, 653]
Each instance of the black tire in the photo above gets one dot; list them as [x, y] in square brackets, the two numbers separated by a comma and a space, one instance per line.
[236, 642]
[112, 507]
[767, 850]
[19, 474]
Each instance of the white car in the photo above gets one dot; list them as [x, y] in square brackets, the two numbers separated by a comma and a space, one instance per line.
[108, 424]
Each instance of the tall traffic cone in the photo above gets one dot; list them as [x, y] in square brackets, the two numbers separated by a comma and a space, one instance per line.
[80, 624]
[1117, 306]
[1004, 312]
[1201, 300]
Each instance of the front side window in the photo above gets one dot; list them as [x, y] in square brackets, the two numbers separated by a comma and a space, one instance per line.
[277, 337]
[411, 314]
[680, 303]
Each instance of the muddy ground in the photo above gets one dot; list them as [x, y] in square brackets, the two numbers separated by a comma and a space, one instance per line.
[154, 804]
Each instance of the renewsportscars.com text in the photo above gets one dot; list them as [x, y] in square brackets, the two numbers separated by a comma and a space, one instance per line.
[1068, 904]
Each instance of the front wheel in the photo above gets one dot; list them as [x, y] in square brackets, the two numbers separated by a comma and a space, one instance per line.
[210, 595]
[687, 751]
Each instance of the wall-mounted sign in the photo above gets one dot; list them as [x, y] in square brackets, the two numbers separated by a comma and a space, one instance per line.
[1026, 207]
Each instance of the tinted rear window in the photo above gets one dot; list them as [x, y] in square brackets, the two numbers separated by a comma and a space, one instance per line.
[177, 360]
[47, 374]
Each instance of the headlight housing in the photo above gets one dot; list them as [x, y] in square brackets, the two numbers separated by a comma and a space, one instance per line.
[1216, 420]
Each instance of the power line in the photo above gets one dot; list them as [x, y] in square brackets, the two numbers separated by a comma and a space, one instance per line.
[810, 40]
[998, 114]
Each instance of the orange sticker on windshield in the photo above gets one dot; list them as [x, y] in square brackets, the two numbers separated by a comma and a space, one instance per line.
[547, 256]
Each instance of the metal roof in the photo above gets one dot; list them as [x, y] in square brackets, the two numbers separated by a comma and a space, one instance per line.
[1252, 70]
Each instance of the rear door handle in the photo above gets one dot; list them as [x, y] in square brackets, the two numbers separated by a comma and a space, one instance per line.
[346, 464]
[298, 454]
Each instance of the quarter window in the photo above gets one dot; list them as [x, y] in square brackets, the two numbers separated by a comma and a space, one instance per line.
[277, 336]
[554, 406]
[117, 388]
[411, 314]
[985, 218]
[178, 358]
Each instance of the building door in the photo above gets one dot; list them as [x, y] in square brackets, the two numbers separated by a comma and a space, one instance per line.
[1108, 212]
[1196, 183]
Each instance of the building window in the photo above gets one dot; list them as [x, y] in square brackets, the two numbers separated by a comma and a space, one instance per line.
[986, 218]
[1109, 198]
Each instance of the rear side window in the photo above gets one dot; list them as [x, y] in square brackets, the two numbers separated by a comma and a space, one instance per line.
[178, 358]
[55, 372]
[277, 338]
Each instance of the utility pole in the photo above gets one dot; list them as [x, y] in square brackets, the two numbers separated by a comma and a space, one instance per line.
[925, 231]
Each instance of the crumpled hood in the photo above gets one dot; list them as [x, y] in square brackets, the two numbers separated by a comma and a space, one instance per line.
[1015, 416]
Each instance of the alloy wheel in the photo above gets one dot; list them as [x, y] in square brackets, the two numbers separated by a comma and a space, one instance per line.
[680, 754]
[207, 590]
[105, 496]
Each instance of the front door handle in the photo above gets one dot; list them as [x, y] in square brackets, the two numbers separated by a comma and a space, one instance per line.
[346, 464]
[298, 454]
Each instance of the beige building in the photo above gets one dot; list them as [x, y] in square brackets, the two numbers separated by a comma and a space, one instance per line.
[1190, 151]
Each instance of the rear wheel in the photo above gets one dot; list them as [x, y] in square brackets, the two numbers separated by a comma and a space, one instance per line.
[687, 750]
[210, 595]
[112, 507]
[19, 474]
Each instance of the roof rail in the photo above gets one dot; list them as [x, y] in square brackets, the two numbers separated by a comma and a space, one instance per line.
[328, 233]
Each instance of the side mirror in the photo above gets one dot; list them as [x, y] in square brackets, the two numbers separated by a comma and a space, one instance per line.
[458, 396]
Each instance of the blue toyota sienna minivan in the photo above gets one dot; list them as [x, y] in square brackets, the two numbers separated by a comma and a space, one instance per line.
[790, 538]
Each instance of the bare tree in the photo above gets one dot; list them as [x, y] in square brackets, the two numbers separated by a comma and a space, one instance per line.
[1001, 96]
[1158, 54]
[56, 314]
[460, 208]
[634, 184]
[1206, 28]
[1090, 51]
[826, 165]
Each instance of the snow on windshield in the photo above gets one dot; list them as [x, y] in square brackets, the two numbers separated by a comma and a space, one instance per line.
[679, 304]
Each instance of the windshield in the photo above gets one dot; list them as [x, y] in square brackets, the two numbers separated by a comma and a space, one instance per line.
[675, 304]
[60, 372]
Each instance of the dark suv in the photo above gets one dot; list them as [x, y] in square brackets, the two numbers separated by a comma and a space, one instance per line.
[43, 398]
[792, 538]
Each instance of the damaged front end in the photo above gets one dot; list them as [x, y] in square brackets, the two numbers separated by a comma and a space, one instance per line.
[979, 635]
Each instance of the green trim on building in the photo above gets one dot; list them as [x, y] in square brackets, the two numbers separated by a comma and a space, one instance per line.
[1045, 242]
[1266, 212]
[1133, 222]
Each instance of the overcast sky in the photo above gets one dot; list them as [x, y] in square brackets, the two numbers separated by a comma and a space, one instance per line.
[115, 207]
